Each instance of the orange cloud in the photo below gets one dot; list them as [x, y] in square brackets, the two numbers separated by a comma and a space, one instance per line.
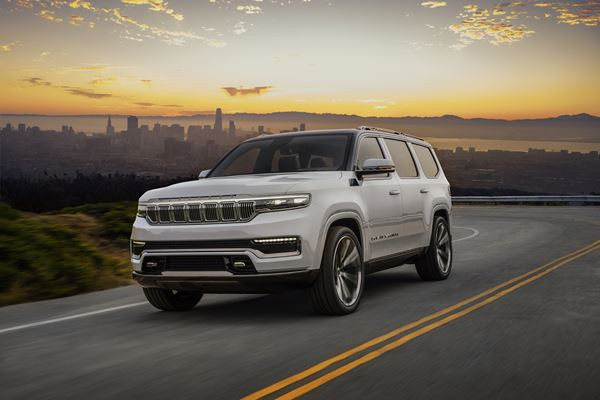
[478, 24]
[434, 4]
[242, 91]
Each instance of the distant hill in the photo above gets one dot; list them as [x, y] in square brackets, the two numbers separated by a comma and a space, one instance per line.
[579, 128]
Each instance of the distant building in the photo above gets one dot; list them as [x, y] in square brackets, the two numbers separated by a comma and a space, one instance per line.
[177, 148]
[261, 129]
[231, 130]
[132, 124]
[196, 134]
[219, 121]
[303, 126]
[110, 130]
[22, 128]
[134, 139]
[174, 131]
[97, 144]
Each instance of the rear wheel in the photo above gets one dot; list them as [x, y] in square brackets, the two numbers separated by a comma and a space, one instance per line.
[436, 263]
[172, 300]
[339, 286]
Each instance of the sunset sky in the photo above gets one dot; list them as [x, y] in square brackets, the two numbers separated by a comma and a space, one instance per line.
[377, 57]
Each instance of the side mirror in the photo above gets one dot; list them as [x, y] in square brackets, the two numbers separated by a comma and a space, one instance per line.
[204, 174]
[374, 166]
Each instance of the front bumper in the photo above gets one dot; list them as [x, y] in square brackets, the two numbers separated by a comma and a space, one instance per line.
[282, 269]
[228, 283]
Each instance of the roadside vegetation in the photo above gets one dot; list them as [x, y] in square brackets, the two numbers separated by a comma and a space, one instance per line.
[72, 251]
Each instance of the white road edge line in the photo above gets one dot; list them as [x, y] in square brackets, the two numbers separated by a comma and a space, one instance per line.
[474, 233]
[69, 317]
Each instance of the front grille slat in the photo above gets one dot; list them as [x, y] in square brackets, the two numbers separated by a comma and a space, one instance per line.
[152, 214]
[246, 209]
[228, 211]
[164, 214]
[178, 214]
[211, 213]
[196, 212]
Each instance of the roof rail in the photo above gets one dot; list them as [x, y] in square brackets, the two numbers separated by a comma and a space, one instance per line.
[374, 128]
[414, 137]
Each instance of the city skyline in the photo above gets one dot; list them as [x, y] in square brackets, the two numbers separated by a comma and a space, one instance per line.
[519, 59]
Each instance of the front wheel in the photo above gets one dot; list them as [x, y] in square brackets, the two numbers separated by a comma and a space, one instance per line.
[172, 300]
[436, 263]
[339, 286]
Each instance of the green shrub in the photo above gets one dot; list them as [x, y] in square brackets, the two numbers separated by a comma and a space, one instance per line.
[42, 260]
[116, 219]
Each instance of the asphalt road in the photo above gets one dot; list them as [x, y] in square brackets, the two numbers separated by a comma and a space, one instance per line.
[538, 336]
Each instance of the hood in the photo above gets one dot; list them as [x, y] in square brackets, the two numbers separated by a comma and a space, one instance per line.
[250, 185]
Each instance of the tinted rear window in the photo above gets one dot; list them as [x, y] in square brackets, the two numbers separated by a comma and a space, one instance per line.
[405, 165]
[430, 167]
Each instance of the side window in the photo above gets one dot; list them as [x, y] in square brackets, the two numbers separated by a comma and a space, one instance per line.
[427, 161]
[405, 165]
[369, 148]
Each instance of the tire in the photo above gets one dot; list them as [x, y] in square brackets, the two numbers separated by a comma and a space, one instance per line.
[436, 263]
[169, 300]
[327, 294]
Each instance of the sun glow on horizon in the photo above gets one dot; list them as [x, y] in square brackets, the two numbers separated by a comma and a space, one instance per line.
[512, 60]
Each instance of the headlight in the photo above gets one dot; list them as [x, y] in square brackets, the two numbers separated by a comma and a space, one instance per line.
[286, 202]
[141, 211]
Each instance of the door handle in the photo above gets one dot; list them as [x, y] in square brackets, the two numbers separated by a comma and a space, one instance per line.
[424, 190]
[394, 192]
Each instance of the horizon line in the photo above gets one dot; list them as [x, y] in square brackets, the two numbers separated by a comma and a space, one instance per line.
[297, 112]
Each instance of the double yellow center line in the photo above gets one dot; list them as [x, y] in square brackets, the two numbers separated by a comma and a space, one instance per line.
[449, 314]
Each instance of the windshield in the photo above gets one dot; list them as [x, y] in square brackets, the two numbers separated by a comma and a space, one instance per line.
[298, 153]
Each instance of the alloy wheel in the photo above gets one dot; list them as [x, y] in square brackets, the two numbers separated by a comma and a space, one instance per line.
[443, 247]
[348, 273]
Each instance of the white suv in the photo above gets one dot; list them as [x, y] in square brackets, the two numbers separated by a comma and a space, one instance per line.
[315, 209]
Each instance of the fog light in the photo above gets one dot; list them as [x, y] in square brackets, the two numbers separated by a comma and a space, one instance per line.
[136, 248]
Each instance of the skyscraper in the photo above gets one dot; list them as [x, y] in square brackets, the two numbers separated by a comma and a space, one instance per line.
[303, 126]
[231, 129]
[110, 130]
[132, 124]
[219, 121]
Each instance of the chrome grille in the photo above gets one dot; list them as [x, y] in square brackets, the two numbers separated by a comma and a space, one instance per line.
[210, 212]
[178, 213]
[246, 210]
[228, 211]
[163, 214]
[197, 212]
[152, 214]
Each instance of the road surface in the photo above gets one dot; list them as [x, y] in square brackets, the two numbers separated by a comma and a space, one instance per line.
[535, 336]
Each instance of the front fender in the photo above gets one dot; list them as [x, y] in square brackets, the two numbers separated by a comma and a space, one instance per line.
[333, 216]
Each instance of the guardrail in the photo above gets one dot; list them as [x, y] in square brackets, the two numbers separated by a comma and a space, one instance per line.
[527, 199]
